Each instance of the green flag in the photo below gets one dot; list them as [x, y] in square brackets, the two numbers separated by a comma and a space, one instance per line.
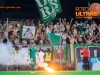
[82, 25]
[48, 9]
[55, 39]
[88, 4]
[21, 28]
[89, 19]
[56, 4]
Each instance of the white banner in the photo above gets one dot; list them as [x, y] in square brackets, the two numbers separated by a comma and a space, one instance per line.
[28, 32]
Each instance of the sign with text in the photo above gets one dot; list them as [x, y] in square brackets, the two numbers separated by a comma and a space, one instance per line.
[84, 12]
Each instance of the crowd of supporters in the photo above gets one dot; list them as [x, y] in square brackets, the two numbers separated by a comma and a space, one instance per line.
[81, 33]
[3, 31]
[77, 33]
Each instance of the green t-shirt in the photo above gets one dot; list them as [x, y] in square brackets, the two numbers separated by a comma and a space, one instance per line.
[82, 33]
[32, 51]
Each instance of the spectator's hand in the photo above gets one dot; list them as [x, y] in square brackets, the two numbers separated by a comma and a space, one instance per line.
[65, 19]
[71, 19]
[62, 19]
[98, 33]
[67, 34]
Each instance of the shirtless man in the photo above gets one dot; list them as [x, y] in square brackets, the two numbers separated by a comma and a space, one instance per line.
[67, 25]
[72, 39]
[51, 27]
[94, 25]
[89, 41]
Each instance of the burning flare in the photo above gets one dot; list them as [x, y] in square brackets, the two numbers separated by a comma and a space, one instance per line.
[49, 69]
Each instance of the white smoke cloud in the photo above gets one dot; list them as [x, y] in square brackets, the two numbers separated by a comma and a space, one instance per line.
[40, 60]
[4, 54]
[7, 56]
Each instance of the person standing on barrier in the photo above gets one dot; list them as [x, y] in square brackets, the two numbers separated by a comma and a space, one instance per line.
[85, 54]
[48, 57]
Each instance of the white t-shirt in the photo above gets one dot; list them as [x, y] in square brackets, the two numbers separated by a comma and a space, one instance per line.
[56, 26]
[99, 29]
[64, 39]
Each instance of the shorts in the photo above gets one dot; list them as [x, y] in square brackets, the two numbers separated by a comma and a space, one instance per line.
[85, 60]
[33, 59]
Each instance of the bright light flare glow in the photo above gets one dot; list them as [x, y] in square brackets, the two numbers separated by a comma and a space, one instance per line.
[49, 69]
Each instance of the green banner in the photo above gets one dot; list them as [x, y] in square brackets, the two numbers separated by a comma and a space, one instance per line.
[57, 51]
[48, 9]
[56, 4]
[55, 39]
[68, 56]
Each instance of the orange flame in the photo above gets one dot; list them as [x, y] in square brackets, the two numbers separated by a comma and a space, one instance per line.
[49, 69]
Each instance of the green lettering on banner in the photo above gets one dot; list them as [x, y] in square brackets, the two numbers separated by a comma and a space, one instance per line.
[56, 5]
[48, 9]
[28, 32]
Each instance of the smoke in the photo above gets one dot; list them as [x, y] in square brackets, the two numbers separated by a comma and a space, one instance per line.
[40, 59]
[6, 53]
[22, 57]
[7, 56]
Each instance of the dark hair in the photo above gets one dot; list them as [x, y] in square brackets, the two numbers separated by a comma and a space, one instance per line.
[48, 49]
[16, 47]
[84, 46]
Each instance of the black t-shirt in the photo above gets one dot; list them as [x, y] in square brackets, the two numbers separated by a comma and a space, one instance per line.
[9, 33]
[5, 40]
[38, 40]
[67, 40]
[80, 42]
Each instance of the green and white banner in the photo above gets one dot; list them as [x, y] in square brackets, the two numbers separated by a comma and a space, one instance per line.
[28, 32]
[54, 38]
[48, 9]
[56, 4]
[57, 51]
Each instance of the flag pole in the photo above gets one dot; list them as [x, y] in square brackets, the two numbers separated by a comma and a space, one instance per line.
[7, 30]
[60, 44]
[7, 38]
